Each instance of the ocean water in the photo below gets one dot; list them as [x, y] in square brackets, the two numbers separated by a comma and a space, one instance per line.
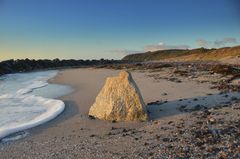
[28, 100]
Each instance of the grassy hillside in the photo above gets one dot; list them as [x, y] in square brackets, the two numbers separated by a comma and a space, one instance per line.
[186, 55]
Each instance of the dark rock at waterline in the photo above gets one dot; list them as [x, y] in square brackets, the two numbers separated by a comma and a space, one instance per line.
[26, 65]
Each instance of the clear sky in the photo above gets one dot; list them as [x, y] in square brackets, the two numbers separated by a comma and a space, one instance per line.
[93, 29]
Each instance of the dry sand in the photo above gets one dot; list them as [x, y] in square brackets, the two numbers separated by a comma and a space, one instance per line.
[74, 135]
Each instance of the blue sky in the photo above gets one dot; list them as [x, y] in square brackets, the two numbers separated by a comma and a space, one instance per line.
[93, 29]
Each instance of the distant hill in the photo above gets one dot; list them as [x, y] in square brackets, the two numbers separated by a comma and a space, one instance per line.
[201, 54]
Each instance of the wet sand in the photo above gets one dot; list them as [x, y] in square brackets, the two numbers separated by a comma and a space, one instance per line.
[74, 135]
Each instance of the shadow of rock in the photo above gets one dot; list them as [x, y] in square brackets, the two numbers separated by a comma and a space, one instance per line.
[161, 109]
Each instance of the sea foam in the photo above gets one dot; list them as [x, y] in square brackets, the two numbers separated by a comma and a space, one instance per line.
[25, 101]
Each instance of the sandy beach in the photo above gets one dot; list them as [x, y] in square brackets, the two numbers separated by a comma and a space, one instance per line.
[114, 79]
[74, 135]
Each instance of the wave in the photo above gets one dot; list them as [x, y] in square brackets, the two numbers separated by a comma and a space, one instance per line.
[53, 109]
[21, 109]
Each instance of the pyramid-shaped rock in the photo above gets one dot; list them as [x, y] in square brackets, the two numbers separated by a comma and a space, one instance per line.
[119, 100]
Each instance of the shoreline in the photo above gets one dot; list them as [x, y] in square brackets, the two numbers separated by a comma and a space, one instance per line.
[32, 108]
[72, 134]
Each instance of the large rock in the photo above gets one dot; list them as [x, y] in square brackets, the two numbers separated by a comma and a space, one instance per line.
[119, 100]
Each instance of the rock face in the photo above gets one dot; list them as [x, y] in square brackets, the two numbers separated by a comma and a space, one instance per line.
[14, 66]
[119, 100]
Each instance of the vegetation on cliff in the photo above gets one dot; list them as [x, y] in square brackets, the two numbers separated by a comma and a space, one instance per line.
[201, 54]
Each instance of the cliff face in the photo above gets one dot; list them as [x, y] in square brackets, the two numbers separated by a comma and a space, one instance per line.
[187, 55]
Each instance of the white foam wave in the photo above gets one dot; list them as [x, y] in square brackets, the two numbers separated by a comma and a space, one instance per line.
[21, 109]
[31, 87]
[52, 109]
